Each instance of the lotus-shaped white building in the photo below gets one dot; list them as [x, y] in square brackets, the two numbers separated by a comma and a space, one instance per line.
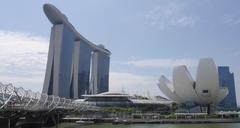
[205, 90]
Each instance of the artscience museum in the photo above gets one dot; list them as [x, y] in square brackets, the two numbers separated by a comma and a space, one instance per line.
[204, 90]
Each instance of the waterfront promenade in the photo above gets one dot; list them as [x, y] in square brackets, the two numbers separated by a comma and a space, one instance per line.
[108, 125]
[177, 121]
[154, 121]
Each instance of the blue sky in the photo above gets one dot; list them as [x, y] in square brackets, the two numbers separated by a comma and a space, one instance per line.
[146, 37]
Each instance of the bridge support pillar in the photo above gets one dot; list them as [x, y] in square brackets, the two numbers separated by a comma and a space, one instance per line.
[8, 122]
[40, 120]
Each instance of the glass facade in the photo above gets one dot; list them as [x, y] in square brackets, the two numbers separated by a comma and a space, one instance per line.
[100, 73]
[69, 64]
[109, 101]
[226, 79]
[59, 66]
[83, 69]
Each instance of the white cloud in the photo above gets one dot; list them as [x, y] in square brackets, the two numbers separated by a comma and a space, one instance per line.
[231, 19]
[172, 14]
[134, 83]
[32, 83]
[162, 63]
[23, 59]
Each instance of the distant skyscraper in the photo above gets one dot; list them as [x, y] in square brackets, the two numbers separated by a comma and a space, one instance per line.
[226, 79]
[71, 59]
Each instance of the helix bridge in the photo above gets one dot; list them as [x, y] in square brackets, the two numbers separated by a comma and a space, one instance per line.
[17, 103]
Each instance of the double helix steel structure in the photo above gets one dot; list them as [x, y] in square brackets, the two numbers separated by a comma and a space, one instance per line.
[16, 98]
[18, 105]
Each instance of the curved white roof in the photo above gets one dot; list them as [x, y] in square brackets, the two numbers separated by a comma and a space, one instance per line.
[108, 94]
[184, 84]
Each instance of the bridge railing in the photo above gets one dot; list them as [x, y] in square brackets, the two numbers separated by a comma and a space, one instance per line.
[17, 98]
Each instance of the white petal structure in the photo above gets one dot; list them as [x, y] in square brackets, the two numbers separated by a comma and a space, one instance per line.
[184, 89]
[167, 87]
[223, 92]
[207, 81]
[184, 84]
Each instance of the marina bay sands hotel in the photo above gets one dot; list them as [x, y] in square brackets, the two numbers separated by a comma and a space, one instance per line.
[75, 66]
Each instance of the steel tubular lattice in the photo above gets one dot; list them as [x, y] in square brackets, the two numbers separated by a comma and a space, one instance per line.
[16, 98]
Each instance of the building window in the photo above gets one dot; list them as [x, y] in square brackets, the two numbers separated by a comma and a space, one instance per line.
[204, 91]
